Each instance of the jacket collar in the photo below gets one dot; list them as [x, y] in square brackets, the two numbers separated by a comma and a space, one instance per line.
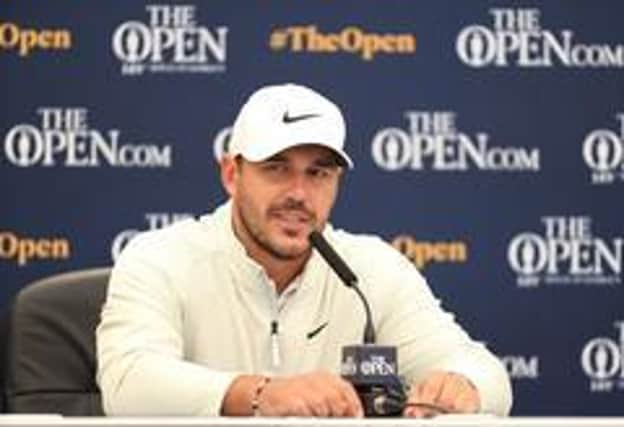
[313, 268]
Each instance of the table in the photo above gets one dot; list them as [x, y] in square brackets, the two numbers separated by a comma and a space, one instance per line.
[440, 421]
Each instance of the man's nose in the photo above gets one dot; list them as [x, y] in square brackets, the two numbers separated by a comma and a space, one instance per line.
[297, 187]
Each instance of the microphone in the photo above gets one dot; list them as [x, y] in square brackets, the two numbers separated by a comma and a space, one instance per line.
[347, 276]
[371, 369]
[333, 259]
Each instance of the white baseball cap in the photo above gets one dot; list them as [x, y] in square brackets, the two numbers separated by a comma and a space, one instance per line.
[279, 117]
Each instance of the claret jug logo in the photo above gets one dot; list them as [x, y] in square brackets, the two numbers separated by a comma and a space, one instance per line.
[172, 42]
[603, 152]
[602, 360]
[432, 141]
[64, 138]
[221, 143]
[25, 41]
[516, 38]
[567, 253]
[354, 40]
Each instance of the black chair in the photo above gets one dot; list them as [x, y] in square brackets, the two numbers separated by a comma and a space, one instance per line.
[51, 352]
[4, 339]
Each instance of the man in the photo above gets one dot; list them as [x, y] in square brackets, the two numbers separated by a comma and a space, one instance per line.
[234, 314]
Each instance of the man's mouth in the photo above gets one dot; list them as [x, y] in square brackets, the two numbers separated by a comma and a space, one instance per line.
[293, 219]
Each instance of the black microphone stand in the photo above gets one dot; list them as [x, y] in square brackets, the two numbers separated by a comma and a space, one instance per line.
[377, 399]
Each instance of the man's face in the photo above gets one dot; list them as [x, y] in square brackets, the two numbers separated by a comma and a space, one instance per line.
[279, 201]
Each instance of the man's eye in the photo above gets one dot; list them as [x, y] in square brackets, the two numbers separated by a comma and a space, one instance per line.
[275, 167]
[319, 173]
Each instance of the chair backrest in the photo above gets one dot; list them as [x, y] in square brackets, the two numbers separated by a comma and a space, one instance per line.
[51, 353]
[4, 339]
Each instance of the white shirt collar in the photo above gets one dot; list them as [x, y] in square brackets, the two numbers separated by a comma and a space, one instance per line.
[223, 218]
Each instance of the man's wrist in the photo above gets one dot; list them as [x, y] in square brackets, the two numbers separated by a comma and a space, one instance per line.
[238, 397]
[256, 397]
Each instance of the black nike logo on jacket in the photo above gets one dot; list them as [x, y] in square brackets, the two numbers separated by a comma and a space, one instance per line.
[316, 331]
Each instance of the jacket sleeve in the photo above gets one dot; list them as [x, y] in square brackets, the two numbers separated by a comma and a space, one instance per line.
[429, 338]
[141, 366]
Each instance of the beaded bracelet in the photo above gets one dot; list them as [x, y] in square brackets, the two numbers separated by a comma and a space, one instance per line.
[255, 400]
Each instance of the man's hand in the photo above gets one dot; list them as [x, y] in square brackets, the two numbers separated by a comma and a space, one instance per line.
[318, 394]
[442, 392]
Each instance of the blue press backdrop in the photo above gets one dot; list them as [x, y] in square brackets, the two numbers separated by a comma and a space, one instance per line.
[487, 137]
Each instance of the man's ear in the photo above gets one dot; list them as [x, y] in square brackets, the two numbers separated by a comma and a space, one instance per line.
[229, 174]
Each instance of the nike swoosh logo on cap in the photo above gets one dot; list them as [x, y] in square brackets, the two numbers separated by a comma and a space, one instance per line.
[315, 332]
[291, 119]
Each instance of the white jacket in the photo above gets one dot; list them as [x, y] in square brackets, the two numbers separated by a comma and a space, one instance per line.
[187, 311]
